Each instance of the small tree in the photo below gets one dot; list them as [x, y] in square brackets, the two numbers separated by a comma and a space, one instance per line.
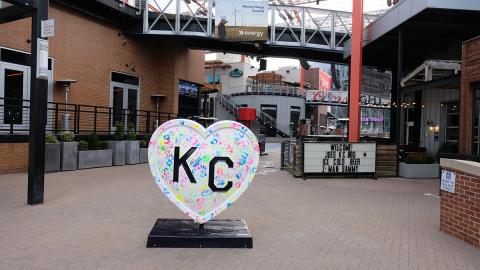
[92, 141]
[131, 134]
[119, 131]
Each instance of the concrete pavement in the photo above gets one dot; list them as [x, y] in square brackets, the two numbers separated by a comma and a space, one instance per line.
[100, 219]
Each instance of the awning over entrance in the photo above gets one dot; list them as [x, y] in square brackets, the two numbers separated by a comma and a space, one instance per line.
[432, 29]
[433, 74]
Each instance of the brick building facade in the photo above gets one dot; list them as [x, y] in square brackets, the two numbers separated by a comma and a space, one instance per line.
[460, 211]
[90, 50]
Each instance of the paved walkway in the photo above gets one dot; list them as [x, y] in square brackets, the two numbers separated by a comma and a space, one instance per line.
[99, 219]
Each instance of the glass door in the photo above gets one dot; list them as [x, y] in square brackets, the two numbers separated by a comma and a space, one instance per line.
[294, 119]
[125, 102]
[14, 86]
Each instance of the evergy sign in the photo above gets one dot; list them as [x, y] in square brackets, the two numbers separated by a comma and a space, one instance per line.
[241, 20]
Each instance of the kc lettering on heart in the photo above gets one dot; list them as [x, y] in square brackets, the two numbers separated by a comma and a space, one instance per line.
[203, 171]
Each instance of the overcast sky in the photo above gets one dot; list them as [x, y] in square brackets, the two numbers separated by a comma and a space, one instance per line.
[346, 5]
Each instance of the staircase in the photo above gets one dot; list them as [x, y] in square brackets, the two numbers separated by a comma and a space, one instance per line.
[262, 118]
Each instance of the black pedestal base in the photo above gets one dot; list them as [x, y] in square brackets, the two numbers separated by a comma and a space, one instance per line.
[183, 233]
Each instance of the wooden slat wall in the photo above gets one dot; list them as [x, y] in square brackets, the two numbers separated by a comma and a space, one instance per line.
[470, 75]
[386, 163]
[432, 112]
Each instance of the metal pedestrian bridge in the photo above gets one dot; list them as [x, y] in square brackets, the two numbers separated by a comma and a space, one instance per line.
[290, 26]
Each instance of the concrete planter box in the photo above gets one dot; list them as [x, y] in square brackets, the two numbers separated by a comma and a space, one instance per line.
[94, 159]
[69, 156]
[143, 155]
[118, 149]
[416, 171]
[132, 152]
[52, 157]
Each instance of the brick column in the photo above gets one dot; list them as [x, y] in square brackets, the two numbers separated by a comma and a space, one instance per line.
[460, 211]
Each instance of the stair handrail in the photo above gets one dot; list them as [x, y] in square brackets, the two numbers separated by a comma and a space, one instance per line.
[262, 117]
[229, 105]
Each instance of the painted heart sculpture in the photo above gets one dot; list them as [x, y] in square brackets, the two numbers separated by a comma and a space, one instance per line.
[203, 171]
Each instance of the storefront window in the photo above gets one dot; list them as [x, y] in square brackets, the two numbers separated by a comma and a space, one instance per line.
[476, 119]
[451, 120]
[373, 122]
[189, 99]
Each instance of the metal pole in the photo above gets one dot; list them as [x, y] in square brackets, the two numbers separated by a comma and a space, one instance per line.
[398, 109]
[177, 17]
[356, 73]
[157, 122]
[38, 113]
[333, 42]
[209, 26]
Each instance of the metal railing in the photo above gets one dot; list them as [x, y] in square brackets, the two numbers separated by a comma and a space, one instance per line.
[284, 90]
[78, 118]
[289, 25]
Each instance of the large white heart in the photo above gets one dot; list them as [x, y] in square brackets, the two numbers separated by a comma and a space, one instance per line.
[223, 164]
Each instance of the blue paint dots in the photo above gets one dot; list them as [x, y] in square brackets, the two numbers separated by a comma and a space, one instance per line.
[243, 158]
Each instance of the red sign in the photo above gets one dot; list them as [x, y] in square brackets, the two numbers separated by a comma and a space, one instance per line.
[327, 97]
[325, 82]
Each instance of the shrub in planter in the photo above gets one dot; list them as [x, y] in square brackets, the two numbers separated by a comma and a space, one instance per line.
[94, 154]
[143, 152]
[52, 154]
[132, 148]
[101, 145]
[51, 139]
[420, 159]
[67, 136]
[419, 166]
[82, 146]
[69, 151]
[118, 145]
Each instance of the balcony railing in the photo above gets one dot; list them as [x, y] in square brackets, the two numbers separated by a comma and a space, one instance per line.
[78, 118]
[283, 90]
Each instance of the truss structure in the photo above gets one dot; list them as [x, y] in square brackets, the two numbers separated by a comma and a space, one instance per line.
[290, 22]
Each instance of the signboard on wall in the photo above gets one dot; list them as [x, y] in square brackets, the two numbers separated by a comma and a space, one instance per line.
[42, 58]
[448, 181]
[327, 97]
[325, 81]
[339, 158]
[242, 20]
[340, 98]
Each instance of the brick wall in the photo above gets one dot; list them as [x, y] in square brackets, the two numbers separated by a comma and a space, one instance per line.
[87, 50]
[13, 157]
[460, 211]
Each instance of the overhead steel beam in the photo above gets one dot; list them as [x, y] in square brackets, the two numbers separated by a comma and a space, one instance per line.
[14, 13]
[22, 3]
